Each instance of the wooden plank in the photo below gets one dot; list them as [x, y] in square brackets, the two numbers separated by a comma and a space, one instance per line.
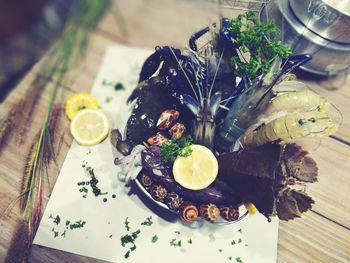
[313, 239]
[331, 192]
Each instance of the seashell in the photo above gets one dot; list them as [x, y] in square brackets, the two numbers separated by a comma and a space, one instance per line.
[188, 211]
[177, 130]
[157, 139]
[158, 192]
[167, 118]
[209, 212]
[124, 148]
[229, 213]
[173, 201]
[146, 181]
[115, 136]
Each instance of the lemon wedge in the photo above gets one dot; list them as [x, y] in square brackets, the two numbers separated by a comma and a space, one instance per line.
[80, 101]
[251, 208]
[198, 170]
[89, 127]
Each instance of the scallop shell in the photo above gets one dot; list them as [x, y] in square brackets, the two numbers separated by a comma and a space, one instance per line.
[173, 201]
[158, 192]
[146, 181]
[209, 212]
[167, 118]
[229, 213]
[188, 211]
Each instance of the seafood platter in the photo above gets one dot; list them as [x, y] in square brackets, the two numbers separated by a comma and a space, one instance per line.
[215, 128]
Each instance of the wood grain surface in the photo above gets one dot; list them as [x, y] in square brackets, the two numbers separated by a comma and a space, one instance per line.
[322, 235]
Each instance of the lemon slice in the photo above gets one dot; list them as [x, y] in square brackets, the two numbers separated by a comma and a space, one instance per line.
[80, 101]
[198, 170]
[89, 127]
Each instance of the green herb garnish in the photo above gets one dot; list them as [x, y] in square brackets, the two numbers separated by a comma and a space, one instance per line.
[155, 239]
[126, 224]
[220, 250]
[229, 258]
[77, 224]
[174, 148]
[119, 86]
[189, 241]
[233, 242]
[108, 99]
[175, 243]
[256, 39]
[147, 222]
[239, 240]
[239, 260]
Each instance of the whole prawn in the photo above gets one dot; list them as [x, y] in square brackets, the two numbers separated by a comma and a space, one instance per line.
[312, 124]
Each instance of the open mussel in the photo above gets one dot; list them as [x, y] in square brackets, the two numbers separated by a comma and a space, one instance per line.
[117, 141]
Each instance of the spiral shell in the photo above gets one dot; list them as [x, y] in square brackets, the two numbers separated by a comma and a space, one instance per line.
[209, 212]
[146, 181]
[188, 211]
[158, 192]
[173, 201]
[167, 118]
[229, 213]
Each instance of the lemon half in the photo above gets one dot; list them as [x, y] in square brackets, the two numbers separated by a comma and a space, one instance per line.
[198, 170]
[89, 127]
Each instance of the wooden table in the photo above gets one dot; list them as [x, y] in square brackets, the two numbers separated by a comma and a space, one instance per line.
[322, 235]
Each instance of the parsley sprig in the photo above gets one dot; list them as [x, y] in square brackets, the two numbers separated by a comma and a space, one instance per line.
[259, 41]
[174, 148]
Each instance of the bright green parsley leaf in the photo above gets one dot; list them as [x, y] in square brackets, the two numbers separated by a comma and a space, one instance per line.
[109, 99]
[147, 222]
[155, 239]
[239, 260]
[174, 148]
[259, 41]
[119, 86]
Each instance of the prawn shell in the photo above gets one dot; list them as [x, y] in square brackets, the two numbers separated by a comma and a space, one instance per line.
[296, 101]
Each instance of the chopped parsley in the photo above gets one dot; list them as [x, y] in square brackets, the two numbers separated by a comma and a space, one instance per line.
[189, 241]
[108, 99]
[93, 183]
[126, 224]
[239, 260]
[220, 250]
[155, 239]
[175, 243]
[119, 86]
[147, 222]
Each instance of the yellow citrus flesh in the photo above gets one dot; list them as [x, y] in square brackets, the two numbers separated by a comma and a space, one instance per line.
[198, 170]
[251, 208]
[80, 101]
[89, 127]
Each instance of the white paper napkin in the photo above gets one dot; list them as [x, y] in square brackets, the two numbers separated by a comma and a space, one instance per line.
[252, 240]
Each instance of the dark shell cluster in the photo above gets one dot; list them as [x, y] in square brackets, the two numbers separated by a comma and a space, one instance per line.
[188, 211]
